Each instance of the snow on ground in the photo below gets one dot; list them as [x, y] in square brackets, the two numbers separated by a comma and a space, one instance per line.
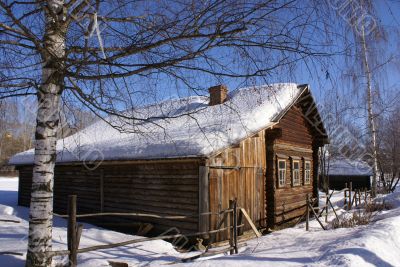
[13, 237]
[376, 244]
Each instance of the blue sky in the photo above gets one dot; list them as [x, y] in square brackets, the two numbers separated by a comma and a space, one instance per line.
[325, 75]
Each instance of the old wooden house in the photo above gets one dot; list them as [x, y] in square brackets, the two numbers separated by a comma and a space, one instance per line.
[256, 144]
[344, 171]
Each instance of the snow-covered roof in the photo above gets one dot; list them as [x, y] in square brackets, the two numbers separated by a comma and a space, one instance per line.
[192, 129]
[344, 166]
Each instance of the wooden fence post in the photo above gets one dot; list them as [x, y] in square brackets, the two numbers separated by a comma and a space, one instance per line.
[356, 196]
[350, 190]
[239, 222]
[365, 196]
[235, 226]
[326, 205]
[345, 195]
[231, 242]
[101, 190]
[72, 231]
[308, 213]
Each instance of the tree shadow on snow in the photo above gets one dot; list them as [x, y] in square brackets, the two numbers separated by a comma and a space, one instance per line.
[126, 255]
[9, 198]
[300, 260]
[11, 261]
[367, 255]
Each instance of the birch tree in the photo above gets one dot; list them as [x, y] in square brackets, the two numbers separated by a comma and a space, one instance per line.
[111, 56]
[367, 55]
[370, 104]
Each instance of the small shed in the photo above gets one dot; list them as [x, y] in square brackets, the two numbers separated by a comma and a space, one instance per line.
[342, 171]
[256, 144]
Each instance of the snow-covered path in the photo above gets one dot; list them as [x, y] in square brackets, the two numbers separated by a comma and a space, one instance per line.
[376, 244]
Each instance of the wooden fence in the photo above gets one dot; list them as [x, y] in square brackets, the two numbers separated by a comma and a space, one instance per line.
[350, 199]
[234, 217]
[355, 197]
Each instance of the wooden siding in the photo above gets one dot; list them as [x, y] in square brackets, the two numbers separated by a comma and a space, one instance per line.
[293, 141]
[338, 182]
[157, 188]
[295, 129]
[246, 182]
[24, 185]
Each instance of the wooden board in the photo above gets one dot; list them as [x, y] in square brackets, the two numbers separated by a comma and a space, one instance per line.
[163, 188]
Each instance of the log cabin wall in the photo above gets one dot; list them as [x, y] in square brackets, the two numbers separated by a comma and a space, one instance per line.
[24, 185]
[162, 188]
[338, 182]
[239, 172]
[291, 140]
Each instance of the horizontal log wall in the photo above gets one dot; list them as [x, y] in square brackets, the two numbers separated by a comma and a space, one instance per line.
[24, 186]
[295, 142]
[169, 188]
[338, 182]
[161, 188]
[295, 128]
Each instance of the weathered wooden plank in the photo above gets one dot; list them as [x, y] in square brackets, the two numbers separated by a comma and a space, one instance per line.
[249, 221]
[204, 199]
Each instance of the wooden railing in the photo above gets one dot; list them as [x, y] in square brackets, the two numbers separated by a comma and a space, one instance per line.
[355, 198]
[232, 216]
[351, 198]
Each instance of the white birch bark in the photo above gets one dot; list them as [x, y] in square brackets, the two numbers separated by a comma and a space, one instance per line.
[371, 119]
[47, 123]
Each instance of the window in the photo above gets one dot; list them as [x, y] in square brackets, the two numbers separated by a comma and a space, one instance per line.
[307, 172]
[296, 172]
[282, 172]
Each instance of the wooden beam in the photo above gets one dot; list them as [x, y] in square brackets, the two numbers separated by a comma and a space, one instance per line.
[133, 241]
[253, 227]
[308, 213]
[235, 229]
[71, 231]
[129, 161]
[204, 200]
[296, 148]
[101, 190]
[316, 216]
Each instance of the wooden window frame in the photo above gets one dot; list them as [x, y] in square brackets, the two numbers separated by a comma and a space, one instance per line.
[298, 173]
[281, 185]
[307, 171]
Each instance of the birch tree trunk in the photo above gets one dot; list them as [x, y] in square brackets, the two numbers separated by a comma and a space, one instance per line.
[371, 118]
[47, 124]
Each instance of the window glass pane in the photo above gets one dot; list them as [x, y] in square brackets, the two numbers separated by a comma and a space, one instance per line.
[296, 165]
[307, 172]
[282, 165]
[307, 165]
[282, 172]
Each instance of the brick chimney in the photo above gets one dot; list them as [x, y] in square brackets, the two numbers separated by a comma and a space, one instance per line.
[218, 94]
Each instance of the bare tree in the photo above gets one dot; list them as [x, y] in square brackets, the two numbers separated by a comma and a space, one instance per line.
[15, 135]
[371, 117]
[367, 56]
[106, 54]
[389, 148]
